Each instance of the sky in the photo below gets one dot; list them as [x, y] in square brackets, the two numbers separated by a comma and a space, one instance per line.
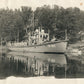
[12, 4]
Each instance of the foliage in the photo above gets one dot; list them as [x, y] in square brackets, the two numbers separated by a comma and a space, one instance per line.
[56, 20]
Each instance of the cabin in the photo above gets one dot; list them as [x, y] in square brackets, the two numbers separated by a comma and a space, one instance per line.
[39, 37]
[82, 37]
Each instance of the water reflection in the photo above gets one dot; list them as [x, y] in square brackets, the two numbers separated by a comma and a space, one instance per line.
[32, 64]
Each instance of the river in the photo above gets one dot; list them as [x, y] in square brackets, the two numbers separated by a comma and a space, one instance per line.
[21, 64]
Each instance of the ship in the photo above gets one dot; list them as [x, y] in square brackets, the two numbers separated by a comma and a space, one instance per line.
[38, 41]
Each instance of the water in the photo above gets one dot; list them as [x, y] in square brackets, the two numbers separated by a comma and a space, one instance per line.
[31, 64]
[21, 64]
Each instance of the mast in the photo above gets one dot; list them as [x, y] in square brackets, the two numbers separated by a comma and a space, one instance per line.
[39, 35]
[31, 25]
[66, 34]
[33, 21]
[18, 36]
[1, 42]
[48, 34]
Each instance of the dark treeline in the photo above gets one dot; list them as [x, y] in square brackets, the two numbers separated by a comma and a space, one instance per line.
[56, 19]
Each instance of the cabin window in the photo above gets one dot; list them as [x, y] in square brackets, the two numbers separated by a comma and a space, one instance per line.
[46, 36]
[41, 36]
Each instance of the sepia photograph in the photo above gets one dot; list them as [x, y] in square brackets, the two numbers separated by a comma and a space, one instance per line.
[42, 38]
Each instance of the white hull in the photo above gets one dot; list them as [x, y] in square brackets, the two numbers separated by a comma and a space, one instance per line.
[54, 47]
